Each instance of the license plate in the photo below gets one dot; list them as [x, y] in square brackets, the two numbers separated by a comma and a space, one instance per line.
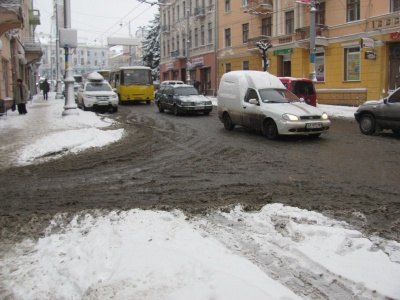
[199, 107]
[103, 103]
[314, 125]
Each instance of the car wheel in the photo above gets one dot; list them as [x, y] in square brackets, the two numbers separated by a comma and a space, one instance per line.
[84, 106]
[396, 131]
[368, 124]
[175, 110]
[228, 122]
[270, 130]
[160, 108]
[147, 102]
[207, 112]
[315, 136]
[115, 109]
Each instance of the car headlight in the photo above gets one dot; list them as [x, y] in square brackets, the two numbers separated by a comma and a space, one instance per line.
[88, 96]
[114, 97]
[290, 117]
[324, 116]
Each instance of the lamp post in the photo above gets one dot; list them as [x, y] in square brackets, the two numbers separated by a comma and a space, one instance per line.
[313, 11]
[59, 94]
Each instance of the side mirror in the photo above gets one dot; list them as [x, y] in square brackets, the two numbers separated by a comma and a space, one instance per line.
[253, 101]
[114, 90]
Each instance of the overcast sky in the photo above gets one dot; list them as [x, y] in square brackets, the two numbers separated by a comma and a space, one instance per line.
[98, 19]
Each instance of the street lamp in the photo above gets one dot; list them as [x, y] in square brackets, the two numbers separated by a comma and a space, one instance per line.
[130, 36]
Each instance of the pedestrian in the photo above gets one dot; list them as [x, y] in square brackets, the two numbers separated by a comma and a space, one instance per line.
[21, 95]
[197, 85]
[46, 89]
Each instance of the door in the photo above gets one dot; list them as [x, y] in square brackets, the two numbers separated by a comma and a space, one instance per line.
[394, 66]
[251, 113]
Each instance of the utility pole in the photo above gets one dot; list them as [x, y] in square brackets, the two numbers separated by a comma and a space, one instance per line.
[70, 107]
[188, 64]
[59, 94]
[313, 11]
[130, 47]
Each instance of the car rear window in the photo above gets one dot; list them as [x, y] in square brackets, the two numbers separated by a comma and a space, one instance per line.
[303, 88]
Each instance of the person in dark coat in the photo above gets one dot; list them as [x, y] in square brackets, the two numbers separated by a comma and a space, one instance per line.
[21, 96]
[197, 85]
[45, 89]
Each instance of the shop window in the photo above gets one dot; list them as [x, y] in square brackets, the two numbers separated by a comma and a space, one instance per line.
[320, 66]
[352, 64]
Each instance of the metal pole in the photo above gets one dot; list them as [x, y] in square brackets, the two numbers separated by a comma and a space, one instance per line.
[70, 107]
[130, 47]
[312, 40]
[187, 49]
[59, 94]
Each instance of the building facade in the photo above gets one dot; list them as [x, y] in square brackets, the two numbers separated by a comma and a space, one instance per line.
[356, 44]
[188, 42]
[20, 51]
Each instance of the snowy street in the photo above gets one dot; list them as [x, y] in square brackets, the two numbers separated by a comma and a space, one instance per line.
[279, 252]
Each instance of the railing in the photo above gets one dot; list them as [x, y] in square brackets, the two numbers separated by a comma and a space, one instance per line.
[259, 6]
[388, 20]
[199, 11]
[304, 32]
[31, 44]
[34, 17]
[178, 53]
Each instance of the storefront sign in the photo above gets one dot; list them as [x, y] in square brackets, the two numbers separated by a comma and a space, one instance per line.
[283, 51]
[370, 55]
[367, 43]
[395, 35]
[197, 61]
[169, 66]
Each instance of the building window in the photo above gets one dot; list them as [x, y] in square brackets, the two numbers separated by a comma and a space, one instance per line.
[168, 50]
[227, 6]
[82, 61]
[245, 32]
[353, 10]
[266, 26]
[246, 65]
[173, 44]
[244, 2]
[227, 68]
[202, 37]
[209, 33]
[320, 66]
[352, 64]
[177, 43]
[395, 5]
[196, 37]
[184, 8]
[177, 13]
[320, 14]
[163, 49]
[227, 37]
[289, 17]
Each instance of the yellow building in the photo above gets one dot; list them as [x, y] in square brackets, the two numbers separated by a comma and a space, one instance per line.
[357, 44]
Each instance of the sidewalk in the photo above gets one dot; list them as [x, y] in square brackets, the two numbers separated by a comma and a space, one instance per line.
[43, 131]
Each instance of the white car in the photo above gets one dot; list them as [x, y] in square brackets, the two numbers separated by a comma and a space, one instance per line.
[260, 101]
[171, 82]
[96, 93]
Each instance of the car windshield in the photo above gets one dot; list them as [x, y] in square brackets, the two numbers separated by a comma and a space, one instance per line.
[277, 96]
[98, 86]
[185, 91]
[137, 77]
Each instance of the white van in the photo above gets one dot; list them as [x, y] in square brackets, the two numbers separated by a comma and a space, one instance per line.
[259, 100]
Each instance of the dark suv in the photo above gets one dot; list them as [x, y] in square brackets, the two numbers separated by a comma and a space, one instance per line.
[373, 116]
[182, 99]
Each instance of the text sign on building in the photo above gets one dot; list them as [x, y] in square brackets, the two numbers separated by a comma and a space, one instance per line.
[283, 51]
[169, 66]
[367, 43]
[197, 61]
[395, 35]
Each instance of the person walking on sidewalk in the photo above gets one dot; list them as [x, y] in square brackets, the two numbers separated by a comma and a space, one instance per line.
[45, 89]
[21, 95]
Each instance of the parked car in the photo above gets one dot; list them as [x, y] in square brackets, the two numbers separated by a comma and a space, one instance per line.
[171, 82]
[260, 101]
[374, 116]
[303, 88]
[182, 99]
[96, 93]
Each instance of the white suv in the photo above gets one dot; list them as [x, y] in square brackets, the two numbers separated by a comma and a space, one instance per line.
[96, 93]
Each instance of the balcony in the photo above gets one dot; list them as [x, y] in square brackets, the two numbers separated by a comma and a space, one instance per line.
[252, 42]
[11, 16]
[179, 54]
[33, 49]
[165, 29]
[385, 21]
[34, 17]
[259, 6]
[304, 32]
[200, 12]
